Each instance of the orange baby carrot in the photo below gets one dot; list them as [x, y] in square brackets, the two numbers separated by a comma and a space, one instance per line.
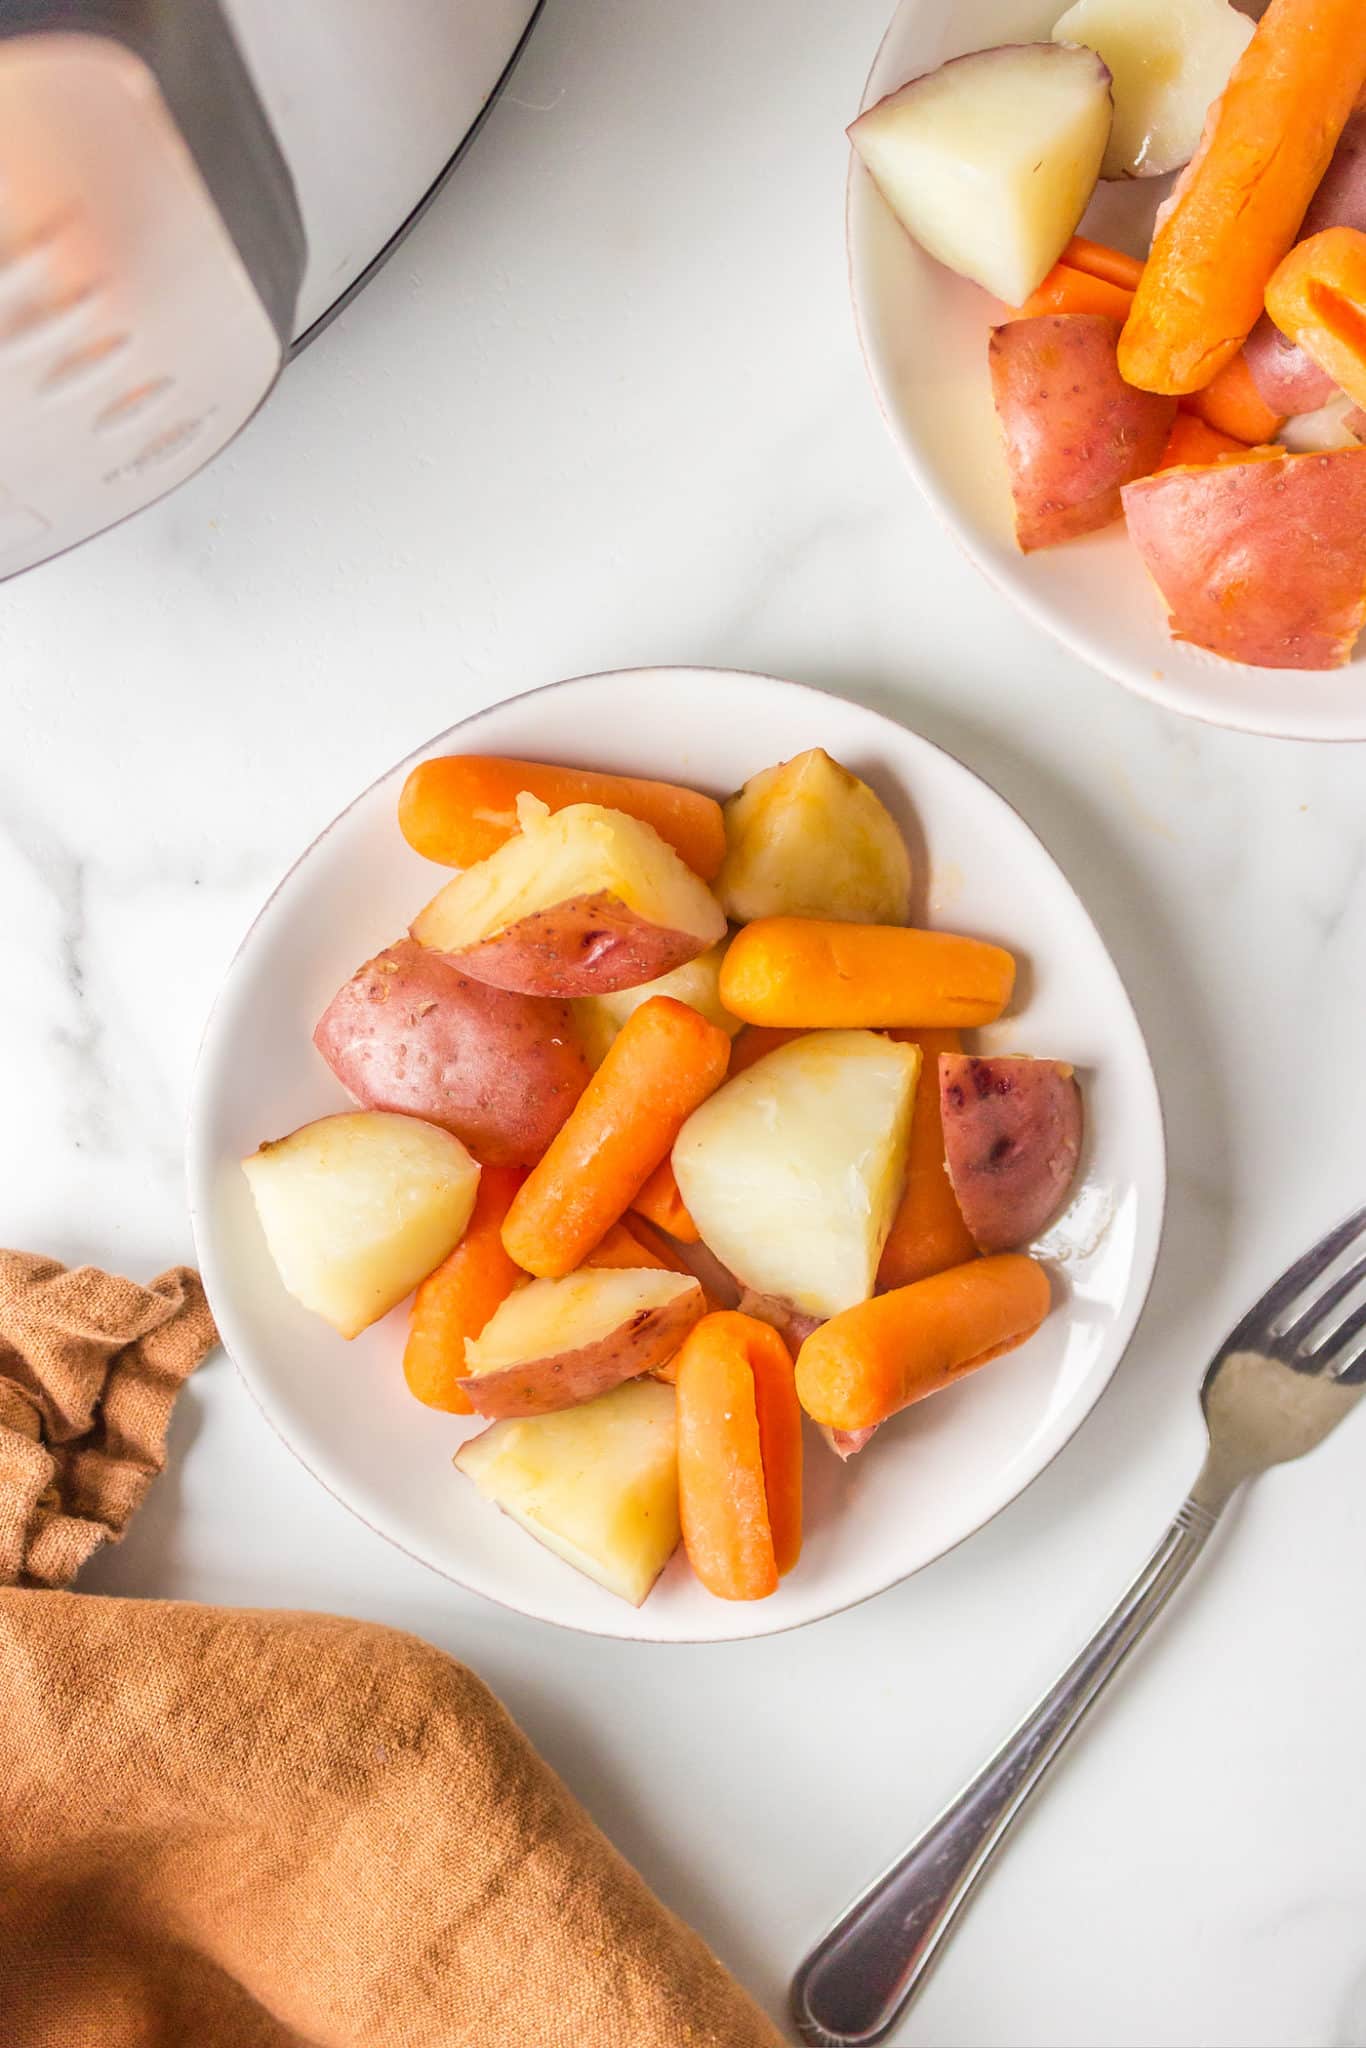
[1238, 208]
[739, 1456]
[660, 1203]
[813, 974]
[664, 1062]
[865, 1364]
[1318, 297]
[928, 1233]
[1066, 290]
[1232, 405]
[1098, 259]
[780, 1439]
[1191, 442]
[460, 809]
[753, 1042]
[621, 1248]
[454, 1302]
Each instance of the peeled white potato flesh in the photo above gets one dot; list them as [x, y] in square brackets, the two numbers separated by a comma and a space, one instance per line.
[792, 1171]
[696, 983]
[809, 839]
[356, 1209]
[1169, 59]
[584, 853]
[989, 162]
[597, 1484]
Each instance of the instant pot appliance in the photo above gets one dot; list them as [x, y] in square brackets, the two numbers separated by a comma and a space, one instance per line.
[189, 189]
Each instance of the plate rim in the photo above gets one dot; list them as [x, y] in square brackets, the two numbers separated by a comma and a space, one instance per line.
[1145, 686]
[199, 1161]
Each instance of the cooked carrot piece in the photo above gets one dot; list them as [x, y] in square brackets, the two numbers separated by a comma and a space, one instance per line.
[1193, 444]
[731, 1482]
[664, 1062]
[1318, 298]
[1233, 405]
[1065, 290]
[660, 1203]
[621, 1249]
[454, 1302]
[1240, 202]
[752, 1044]
[780, 1439]
[1097, 259]
[867, 1363]
[814, 974]
[928, 1234]
[460, 809]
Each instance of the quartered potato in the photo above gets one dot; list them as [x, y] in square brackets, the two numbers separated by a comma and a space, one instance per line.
[598, 1019]
[597, 1484]
[1012, 1138]
[581, 902]
[358, 1208]
[808, 839]
[556, 1342]
[792, 1172]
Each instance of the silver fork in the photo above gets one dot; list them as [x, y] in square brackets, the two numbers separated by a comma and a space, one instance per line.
[1285, 1377]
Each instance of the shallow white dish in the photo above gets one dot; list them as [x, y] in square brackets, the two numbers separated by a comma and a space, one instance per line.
[924, 337]
[939, 1471]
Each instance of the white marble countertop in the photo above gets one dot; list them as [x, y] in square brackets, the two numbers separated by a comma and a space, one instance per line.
[606, 408]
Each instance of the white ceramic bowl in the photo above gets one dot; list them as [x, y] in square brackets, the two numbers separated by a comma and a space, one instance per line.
[924, 336]
[940, 1470]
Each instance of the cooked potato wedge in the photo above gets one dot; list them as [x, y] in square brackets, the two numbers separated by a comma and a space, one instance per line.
[597, 1484]
[358, 1208]
[410, 1032]
[554, 1343]
[793, 1170]
[581, 902]
[809, 839]
[1012, 1138]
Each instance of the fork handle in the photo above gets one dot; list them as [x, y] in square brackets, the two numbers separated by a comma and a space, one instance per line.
[856, 1981]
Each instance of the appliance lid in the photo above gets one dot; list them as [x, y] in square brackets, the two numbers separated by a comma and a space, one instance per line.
[371, 101]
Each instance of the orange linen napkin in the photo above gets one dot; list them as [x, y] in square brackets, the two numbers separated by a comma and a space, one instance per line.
[247, 1830]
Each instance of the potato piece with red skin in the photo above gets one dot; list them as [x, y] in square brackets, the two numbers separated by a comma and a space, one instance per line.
[1012, 1138]
[580, 902]
[1260, 559]
[554, 1343]
[409, 1032]
[1074, 430]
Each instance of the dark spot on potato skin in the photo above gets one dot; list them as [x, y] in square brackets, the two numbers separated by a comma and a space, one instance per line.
[989, 1079]
[1000, 1152]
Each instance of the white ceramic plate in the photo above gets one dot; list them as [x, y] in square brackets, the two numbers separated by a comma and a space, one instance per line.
[924, 336]
[940, 1470]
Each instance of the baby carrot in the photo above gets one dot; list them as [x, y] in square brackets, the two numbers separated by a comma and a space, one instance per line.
[1232, 404]
[816, 975]
[1097, 259]
[865, 1364]
[751, 1045]
[623, 1249]
[660, 1203]
[665, 1061]
[1239, 205]
[1066, 290]
[456, 1300]
[1192, 443]
[1318, 297]
[739, 1456]
[928, 1233]
[460, 809]
[780, 1439]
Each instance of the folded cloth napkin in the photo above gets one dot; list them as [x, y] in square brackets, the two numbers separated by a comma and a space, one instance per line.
[244, 1830]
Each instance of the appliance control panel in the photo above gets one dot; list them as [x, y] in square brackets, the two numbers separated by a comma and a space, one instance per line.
[133, 341]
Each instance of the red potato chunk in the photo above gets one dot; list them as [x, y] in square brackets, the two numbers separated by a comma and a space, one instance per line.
[1012, 1138]
[1075, 432]
[1261, 560]
[409, 1032]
